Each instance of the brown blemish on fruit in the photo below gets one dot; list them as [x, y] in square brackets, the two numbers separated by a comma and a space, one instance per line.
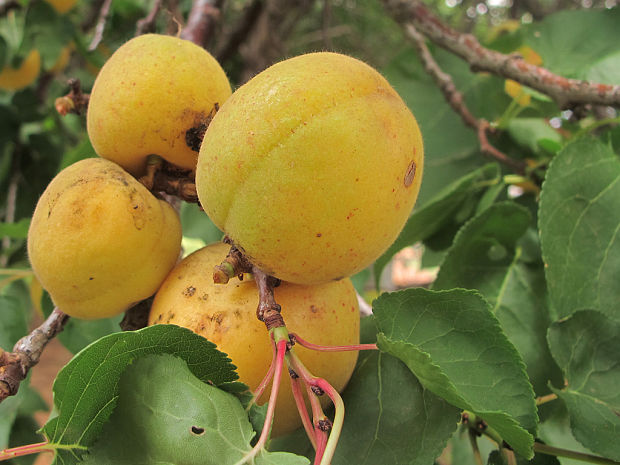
[318, 234]
[195, 134]
[314, 308]
[410, 174]
[189, 291]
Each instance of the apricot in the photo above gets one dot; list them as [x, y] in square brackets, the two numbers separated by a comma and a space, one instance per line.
[62, 6]
[312, 167]
[154, 95]
[99, 241]
[325, 314]
[22, 76]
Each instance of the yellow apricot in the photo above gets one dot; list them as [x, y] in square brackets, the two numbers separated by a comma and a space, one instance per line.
[154, 95]
[62, 6]
[325, 314]
[99, 241]
[63, 59]
[24, 75]
[312, 167]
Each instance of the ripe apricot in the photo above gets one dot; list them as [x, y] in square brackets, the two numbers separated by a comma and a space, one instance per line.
[154, 95]
[312, 167]
[226, 315]
[99, 241]
[22, 76]
[62, 6]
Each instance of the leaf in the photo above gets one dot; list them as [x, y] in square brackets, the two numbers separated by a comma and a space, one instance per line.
[527, 132]
[487, 255]
[86, 389]
[555, 430]
[47, 31]
[13, 324]
[390, 417]
[579, 225]
[606, 71]
[454, 345]
[439, 212]
[196, 224]
[586, 347]
[571, 42]
[167, 415]
[17, 230]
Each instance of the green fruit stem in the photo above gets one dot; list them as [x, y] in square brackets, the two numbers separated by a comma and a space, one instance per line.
[20, 451]
[320, 348]
[303, 411]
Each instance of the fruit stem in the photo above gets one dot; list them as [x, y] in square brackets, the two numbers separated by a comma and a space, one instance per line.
[277, 377]
[321, 444]
[549, 450]
[320, 383]
[301, 408]
[309, 345]
[20, 451]
[258, 392]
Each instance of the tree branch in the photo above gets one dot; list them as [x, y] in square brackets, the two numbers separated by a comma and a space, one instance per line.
[456, 101]
[566, 92]
[14, 366]
[201, 21]
[103, 17]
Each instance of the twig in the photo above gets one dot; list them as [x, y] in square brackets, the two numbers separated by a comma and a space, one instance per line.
[240, 31]
[566, 92]
[26, 353]
[268, 310]
[147, 24]
[74, 102]
[201, 21]
[549, 450]
[456, 101]
[103, 17]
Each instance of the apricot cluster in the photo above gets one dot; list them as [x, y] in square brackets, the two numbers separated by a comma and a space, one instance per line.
[310, 169]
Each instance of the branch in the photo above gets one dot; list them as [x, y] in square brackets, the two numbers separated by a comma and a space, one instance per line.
[14, 366]
[268, 309]
[103, 17]
[240, 31]
[147, 24]
[566, 92]
[456, 101]
[201, 21]
[75, 101]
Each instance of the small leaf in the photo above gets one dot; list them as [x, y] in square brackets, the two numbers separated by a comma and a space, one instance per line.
[390, 417]
[528, 132]
[487, 255]
[579, 224]
[17, 230]
[454, 345]
[86, 389]
[14, 323]
[438, 212]
[167, 415]
[586, 347]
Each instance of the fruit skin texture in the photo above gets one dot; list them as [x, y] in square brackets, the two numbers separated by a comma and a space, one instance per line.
[19, 78]
[312, 167]
[149, 93]
[99, 241]
[325, 314]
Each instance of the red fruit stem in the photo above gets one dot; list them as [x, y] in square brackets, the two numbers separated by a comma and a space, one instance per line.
[320, 449]
[277, 377]
[328, 389]
[258, 392]
[20, 451]
[303, 411]
[320, 348]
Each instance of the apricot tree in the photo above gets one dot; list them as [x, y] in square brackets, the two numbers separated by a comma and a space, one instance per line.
[490, 322]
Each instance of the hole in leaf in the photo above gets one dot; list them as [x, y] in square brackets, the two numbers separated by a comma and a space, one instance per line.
[197, 430]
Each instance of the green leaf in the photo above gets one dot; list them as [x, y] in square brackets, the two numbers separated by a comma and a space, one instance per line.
[196, 224]
[13, 324]
[17, 230]
[86, 389]
[47, 31]
[390, 417]
[606, 71]
[487, 255]
[454, 345]
[529, 131]
[586, 347]
[579, 224]
[167, 415]
[571, 42]
[439, 212]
